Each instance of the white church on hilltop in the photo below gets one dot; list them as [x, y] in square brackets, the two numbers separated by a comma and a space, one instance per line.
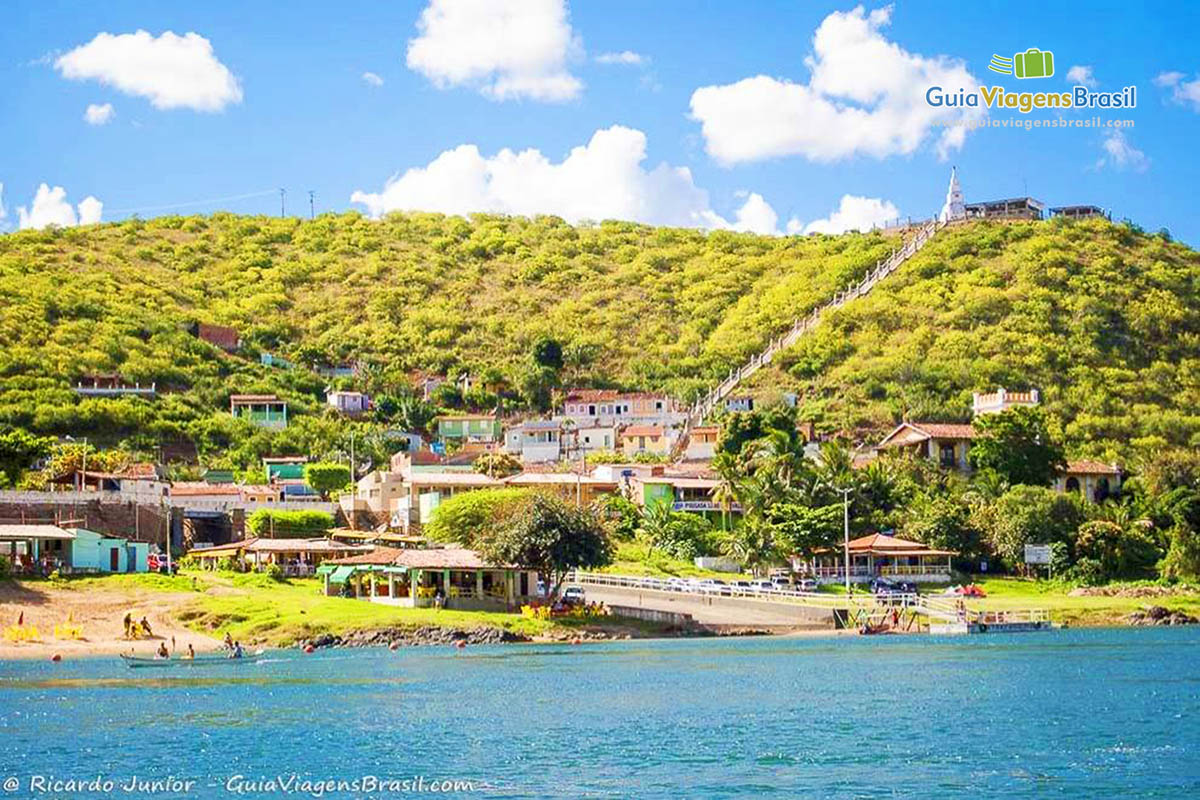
[955, 207]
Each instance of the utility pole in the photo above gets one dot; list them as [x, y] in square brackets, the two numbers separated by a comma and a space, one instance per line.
[311, 205]
[282, 192]
[846, 528]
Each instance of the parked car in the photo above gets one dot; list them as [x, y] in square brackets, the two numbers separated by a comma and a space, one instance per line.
[888, 586]
[742, 585]
[676, 585]
[574, 596]
[805, 585]
[763, 586]
[782, 582]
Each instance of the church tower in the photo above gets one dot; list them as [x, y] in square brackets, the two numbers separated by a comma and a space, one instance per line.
[955, 208]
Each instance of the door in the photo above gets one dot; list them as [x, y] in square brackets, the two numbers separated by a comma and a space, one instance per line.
[114, 559]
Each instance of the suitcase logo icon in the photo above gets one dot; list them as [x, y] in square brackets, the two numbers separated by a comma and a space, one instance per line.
[1033, 63]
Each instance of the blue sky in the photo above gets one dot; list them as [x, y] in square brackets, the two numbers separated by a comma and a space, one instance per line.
[766, 115]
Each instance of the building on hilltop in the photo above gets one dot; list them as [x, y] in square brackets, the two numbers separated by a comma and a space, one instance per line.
[1002, 400]
[1012, 208]
[535, 441]
[352, 404]
[1079, 212]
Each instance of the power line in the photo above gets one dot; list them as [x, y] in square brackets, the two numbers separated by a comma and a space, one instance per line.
[311, 206]
[246, 196]
[282, 192]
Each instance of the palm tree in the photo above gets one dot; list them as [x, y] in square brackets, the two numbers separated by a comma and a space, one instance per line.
[724, 494]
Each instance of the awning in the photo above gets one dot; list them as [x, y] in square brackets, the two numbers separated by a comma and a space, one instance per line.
[395, 570]
[325, 568]
[341, 574]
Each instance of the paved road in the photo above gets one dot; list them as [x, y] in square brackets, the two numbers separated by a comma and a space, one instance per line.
[716, 610]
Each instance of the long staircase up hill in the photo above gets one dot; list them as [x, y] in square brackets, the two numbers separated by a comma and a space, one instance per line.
[711, 401]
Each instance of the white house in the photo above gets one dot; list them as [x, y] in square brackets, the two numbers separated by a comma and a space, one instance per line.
[348, 403]
[535, 440]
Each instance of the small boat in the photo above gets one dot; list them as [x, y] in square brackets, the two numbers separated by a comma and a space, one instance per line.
[154, 661]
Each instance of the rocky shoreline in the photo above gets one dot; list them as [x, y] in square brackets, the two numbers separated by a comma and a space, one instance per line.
[1157, 615]
[433, 635]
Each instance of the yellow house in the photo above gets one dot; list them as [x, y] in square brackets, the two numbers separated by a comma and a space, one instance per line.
[644, 439]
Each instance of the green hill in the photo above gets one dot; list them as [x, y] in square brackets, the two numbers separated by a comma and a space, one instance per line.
[1102, 318]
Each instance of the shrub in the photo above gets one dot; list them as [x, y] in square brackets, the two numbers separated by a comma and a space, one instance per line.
[289, 524]
[471, 517]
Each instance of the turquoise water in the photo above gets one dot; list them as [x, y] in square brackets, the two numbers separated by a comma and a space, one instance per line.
[1089, 714]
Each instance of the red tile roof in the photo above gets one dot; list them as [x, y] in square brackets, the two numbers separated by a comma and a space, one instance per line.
[643, 430]
[1088, 467]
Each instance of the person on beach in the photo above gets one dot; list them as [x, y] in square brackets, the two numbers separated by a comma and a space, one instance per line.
[128, 624]
[228, 641]
[191, 653]
[237, 650]
[162, 650]
[145, 623]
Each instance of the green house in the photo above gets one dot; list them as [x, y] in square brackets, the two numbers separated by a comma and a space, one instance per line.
[469, 428]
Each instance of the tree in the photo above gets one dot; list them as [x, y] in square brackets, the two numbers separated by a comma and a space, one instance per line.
[327, 476]
[498, 464]
[1031, 514]
[677, 534]
[944, 522]
[472, 517]
[19, 449]
[752, 544]
[1120, 551]
[803, 531]
[1017, 445]
[552, 536]
[289, 524]
[548, 352]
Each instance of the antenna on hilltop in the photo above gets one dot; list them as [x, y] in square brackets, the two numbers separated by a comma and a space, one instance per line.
[282, 192]
[311, 208]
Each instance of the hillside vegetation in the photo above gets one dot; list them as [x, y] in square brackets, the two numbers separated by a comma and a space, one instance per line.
[1100, 317]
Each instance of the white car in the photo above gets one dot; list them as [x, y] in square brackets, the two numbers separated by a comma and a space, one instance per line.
[762, 586]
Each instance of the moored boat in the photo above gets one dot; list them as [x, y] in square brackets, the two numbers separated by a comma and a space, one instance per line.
[153, 661]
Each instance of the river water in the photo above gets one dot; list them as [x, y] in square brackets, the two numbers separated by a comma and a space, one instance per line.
[1079, 713]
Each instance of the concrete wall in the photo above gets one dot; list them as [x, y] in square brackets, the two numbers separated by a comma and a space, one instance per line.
[714, 609]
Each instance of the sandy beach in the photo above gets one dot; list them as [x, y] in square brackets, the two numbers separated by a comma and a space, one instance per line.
[99, 613]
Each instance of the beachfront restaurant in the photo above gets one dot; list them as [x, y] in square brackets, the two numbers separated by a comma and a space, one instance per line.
[880, 555]
[417, 578]
[297, 558]
[43, 548]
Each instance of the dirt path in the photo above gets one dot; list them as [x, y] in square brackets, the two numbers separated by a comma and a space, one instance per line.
[100, 612]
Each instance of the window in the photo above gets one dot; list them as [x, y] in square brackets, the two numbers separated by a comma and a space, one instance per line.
[947, 455]
[1072, 484]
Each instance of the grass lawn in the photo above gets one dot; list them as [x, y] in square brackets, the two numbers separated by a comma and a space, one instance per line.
[1016, 593]
[636, 559]
[255, 609]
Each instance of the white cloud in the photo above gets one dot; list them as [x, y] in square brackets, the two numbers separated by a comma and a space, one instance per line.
[625, 57]
[1121, 154]
[99, 114]
[854, 213]
[50, 207]
[1182, 92]
[604, 179]
[1083, 76]
[507, 49]
[170, 71]
[755, 216]
[865, 95]
[371, 79]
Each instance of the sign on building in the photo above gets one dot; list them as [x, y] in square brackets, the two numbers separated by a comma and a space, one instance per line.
[1037, 554]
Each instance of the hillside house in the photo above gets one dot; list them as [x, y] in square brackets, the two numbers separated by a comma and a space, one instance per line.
[1002, 400]
[141, 482]
[535, 441]
[589, 408]
[702, 444]
[742, 403]
[264, 410]
[484, 428]
[947, 444]
[572, 486]
[269, 360]
[425, 491]
[593, 438]
[878, 555]
[352, 404]
[651, 439]
[1094, 481]
[112, 385]
[220, 336]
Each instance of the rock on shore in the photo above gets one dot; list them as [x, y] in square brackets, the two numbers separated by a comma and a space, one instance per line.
[411, 637]
[1157, 615]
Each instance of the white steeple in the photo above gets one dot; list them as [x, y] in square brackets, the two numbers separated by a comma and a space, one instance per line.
[955, 208]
